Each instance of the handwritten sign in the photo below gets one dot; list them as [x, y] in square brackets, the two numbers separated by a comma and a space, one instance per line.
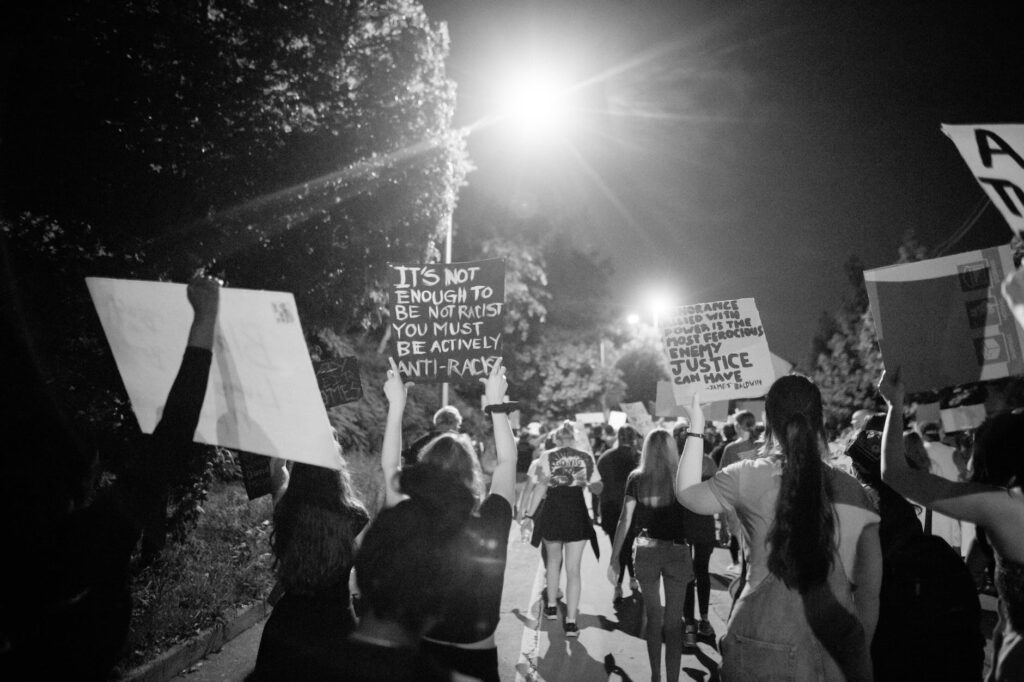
[339, 382]
[447, 319]
[255, 475]
[717, 350]
[943, 322]
[262, 395]
[995, 154]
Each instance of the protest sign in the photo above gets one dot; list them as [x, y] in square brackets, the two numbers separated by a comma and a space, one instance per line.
[638, 417]
[943, 322]
[590, 418]
[446, 319]
[665, 402]
[616, 419]
[255, 475]
[717, 350]
[339, 382]
[995, 154]
[262, 395]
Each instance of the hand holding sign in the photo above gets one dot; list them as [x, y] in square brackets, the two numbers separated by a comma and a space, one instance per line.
[890, 386]
[495, 385]
[395, 390]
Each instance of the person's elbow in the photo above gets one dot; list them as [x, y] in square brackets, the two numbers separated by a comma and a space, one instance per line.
[596, 487]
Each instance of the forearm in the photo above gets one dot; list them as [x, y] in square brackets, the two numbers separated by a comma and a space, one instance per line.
[503, 481]
[689, 472]
[896, 471]
[391, 453]
[621, 528]
[539, 491]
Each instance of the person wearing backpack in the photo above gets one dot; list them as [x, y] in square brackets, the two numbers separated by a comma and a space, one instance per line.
[810, 603]
[994, 500]
[929, 616]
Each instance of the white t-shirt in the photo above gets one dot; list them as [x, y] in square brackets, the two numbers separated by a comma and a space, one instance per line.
[750, 488]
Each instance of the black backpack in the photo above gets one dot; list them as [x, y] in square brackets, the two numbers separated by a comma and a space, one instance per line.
[929, 621]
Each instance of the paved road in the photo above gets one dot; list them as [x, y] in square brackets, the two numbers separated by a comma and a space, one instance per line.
[531, 649]
[529, 645]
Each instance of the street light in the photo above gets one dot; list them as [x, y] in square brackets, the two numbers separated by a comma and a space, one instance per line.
[535, 103]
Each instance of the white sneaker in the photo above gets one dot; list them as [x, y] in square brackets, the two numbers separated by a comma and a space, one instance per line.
[733, 568]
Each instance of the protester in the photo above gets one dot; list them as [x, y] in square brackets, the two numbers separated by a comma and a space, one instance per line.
[662, 554]
[565, 525]
[744, 447]
[699, 530]
[615, 465]
[994, 500]
[940, 456]
[447, 419]
[66, 606]
[464, 638]
[402, 598]
[929, 615]
[316, 523]
[810, 536]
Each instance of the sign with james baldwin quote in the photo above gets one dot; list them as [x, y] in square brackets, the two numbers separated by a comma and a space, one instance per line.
[717, 350]
[446, 319]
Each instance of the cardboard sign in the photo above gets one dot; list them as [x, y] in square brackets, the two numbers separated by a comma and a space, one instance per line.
[447, 319]
[616, 419]
[638, 417]
[995, 154]
[665, 402]
[943, 321]
[339, 382]
[262, 395]
[717, 350]
[589, 418]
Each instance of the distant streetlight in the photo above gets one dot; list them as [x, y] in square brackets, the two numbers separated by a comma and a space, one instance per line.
[633, 319]
[660, 305]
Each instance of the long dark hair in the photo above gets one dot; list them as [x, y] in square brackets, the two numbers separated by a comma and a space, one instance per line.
[996, 459]
[802, 534]
[315, 524]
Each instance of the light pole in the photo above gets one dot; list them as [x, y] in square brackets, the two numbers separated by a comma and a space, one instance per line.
[535, 104]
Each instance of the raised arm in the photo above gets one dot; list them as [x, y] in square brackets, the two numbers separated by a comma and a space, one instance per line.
[146, 493]
[503, 480]
[972, 502]
[690, 492]
[391, 450]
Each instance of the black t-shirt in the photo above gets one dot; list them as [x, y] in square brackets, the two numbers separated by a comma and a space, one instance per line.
[662, 523]
[615, 466]
[475, 606]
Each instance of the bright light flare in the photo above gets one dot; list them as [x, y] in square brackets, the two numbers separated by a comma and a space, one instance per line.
[633, 319]
[535, 103]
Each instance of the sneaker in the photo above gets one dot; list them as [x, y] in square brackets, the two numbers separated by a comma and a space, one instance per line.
[704, 629]
[571, 629]
[551, 612]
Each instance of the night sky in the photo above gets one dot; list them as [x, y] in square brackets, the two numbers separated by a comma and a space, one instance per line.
[725, 150]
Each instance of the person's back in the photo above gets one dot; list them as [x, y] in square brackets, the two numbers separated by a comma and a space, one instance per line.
[811, 536]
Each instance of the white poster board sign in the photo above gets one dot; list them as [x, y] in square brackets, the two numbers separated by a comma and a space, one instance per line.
[262, 395]
[718, 350]
[995, 154]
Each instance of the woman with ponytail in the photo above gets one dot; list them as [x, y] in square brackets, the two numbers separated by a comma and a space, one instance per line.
[809, 604]
[462, 639]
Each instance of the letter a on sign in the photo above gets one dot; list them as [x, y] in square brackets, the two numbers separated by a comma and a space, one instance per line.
[995, 154]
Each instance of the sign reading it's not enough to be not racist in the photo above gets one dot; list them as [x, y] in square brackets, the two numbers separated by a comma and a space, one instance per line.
[447, 319]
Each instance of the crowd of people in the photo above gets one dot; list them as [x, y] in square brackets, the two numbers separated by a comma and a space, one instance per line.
[865, 569]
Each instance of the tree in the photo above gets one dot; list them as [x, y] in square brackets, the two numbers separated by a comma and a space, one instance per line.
[295, 147]
[847, 361]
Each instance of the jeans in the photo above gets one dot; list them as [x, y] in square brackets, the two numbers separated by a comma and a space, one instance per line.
[668, 563]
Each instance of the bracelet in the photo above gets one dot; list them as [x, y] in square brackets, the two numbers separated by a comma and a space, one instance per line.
[501, 408]
[691, 434]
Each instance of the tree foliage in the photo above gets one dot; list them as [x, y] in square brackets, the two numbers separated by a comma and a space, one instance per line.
[296, 146]
[847, 361]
